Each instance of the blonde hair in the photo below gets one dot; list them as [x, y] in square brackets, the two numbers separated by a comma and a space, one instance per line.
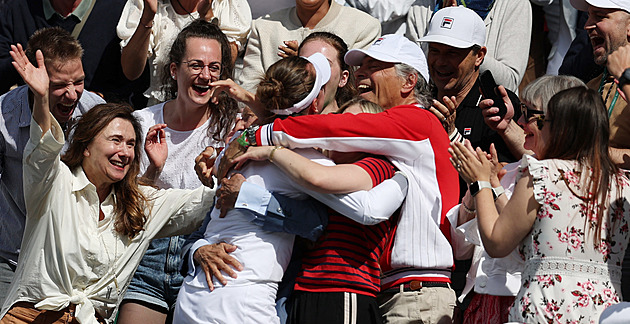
[366, 106]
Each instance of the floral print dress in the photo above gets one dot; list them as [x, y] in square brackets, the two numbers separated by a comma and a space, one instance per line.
[567, 277]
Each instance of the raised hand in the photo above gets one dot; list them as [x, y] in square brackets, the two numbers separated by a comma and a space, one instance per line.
[155, 146]
[35, 77]
[38, 82]
[490, 113]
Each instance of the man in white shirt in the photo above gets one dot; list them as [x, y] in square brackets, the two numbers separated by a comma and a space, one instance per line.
[67, 102]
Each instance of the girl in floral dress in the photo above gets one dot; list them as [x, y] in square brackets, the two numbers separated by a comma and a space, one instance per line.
[568, 214]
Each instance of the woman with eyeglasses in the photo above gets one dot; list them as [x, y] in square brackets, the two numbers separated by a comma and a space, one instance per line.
[188, 122]
[568, 214]
[492, 283]
[147, 28]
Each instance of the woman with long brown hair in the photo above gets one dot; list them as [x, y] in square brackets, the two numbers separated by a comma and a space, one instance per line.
[568, 214]
[89, 220]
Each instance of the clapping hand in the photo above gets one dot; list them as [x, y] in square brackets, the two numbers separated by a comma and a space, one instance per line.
[445, 112]
[472, 165]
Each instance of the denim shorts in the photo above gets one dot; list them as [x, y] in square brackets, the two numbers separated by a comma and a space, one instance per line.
[157, 279]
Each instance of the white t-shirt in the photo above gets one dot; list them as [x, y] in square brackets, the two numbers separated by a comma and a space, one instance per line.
[183, 147]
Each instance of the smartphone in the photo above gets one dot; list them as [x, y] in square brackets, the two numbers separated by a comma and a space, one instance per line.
[489, 90]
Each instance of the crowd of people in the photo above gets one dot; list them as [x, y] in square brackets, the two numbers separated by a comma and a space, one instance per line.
[324, 161]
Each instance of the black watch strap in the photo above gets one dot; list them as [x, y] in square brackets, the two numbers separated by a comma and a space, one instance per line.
[624, 78]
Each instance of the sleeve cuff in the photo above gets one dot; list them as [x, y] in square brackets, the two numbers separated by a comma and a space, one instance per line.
[456, 136]
[191, 260]
[253, 198]
[263, 135]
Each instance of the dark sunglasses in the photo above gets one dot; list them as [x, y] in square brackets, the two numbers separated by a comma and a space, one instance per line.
[529, 113]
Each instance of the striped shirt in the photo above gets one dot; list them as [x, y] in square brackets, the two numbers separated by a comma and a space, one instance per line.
[346, 256]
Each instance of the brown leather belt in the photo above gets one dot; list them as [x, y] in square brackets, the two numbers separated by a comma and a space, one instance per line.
[416, 285]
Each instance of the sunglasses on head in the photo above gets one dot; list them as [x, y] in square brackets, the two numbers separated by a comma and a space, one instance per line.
[530, 114]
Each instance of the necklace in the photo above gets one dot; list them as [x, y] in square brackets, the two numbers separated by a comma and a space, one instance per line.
[112, 264]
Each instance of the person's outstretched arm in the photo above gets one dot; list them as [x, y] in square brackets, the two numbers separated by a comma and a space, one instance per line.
[133, 57]
[38, 83]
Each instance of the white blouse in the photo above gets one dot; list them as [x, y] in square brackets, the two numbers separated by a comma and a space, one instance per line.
[68, 256]
[234, 17]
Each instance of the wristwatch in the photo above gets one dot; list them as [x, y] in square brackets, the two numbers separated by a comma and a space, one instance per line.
[498, 191]
[476, 186]
[624, 78]
[251, 135]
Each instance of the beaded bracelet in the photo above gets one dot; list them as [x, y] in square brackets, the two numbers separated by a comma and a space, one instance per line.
[467, 209]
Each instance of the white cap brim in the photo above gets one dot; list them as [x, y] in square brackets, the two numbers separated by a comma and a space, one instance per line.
[322, 67]
[450, 41]
[355, 57]
[583, 5]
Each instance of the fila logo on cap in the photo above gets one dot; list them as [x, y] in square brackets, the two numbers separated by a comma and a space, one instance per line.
[447, 22]
[378, 41]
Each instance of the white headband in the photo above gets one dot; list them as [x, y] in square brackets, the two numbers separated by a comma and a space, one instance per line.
[322, 75]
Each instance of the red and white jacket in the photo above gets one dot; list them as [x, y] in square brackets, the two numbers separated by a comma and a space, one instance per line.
[416, 143]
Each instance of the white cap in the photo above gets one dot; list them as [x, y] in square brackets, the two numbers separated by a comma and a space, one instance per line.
[322, 75]
[605, 4]
[392, 49]
[456, 26]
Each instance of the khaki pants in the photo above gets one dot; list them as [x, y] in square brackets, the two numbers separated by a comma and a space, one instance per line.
[23, 312]
[428, 305]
